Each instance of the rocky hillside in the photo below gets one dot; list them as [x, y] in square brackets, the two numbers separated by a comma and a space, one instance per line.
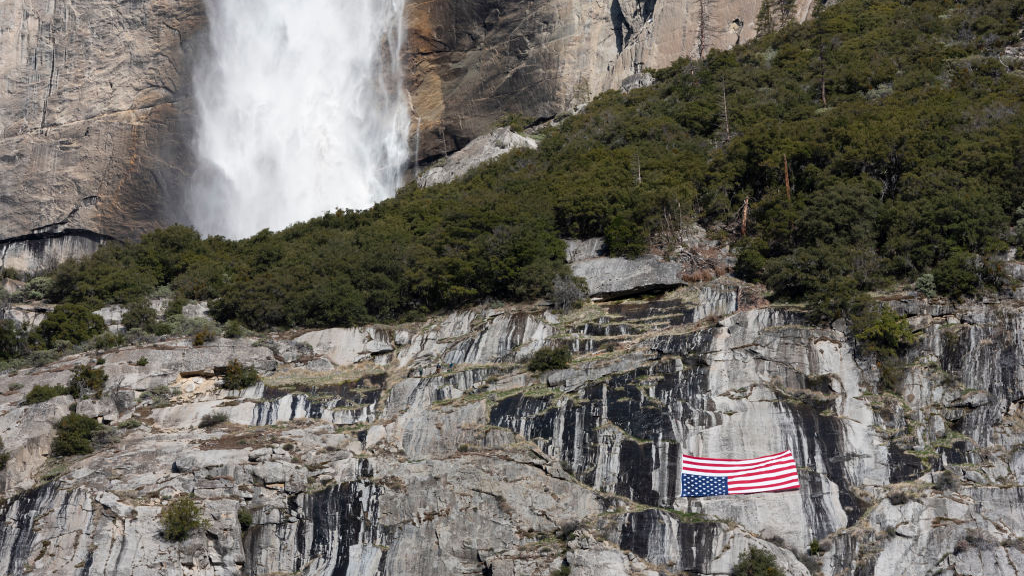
[429, 448]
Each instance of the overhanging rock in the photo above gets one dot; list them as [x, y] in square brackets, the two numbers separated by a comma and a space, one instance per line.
[610, 278]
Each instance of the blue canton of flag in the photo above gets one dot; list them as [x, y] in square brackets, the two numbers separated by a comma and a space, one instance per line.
[695, 485]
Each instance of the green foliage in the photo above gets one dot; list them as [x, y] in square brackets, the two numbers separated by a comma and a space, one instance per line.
[74, 435]
[74, 323]
[181, 517]
[902, 132]
[238, 376]
[130, 424]
[756, 562]
[882, 331]
[212, 419]
[550, 358]
[244, 519]
[139, 315]
[87, 382]
[34, 289]
[925, 285]
[4, 456]
[142, 361]
[42, 393]
[234, 329]
[957, 275]
[14, 341]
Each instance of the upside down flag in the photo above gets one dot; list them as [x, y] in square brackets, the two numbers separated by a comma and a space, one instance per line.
[716, 477]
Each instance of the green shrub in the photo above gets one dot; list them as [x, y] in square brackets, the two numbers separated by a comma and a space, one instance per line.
[925, 285]
[957, 276]
[87, 382]
[234, 329]
[756, 562]
[74, 435]
[74, 323]
[139, 315]
[14, 340]
[550, 358]
[4, 456]
[212, 419]
[244, 519]
[203, 336]
[626, 238]
[35, 289]
[142, 361]
[130, 424]
[238, 377]
[180, 518]
[43, 393]
[883, 331]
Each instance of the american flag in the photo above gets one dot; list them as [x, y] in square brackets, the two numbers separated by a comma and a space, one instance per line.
[716, 477]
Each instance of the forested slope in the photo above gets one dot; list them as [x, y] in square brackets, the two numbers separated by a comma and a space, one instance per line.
[899, 124]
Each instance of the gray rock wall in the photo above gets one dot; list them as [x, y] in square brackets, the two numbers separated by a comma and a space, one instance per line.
[428, 449]
[92, 141]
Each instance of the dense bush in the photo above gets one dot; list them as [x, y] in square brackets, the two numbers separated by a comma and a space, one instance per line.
[238, 376]
[72, 323]
[139, 315]
[550, 358]
[87, 382]
[756, 562]
[882, 331]
[74, 435]
[13, 340]
[4, 456]
[43, 393]
[180, 518]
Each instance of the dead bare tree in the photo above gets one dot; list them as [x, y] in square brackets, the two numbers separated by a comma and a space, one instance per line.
[706, 34]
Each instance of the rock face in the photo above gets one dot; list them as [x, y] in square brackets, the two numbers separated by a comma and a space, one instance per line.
[91, 136]
[471, 62]
[619, 277]
[480, 150]
[428, 449]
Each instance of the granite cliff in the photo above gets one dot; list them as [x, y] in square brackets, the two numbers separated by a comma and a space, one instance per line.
[429, 448]
[471, 63]
[92, 139]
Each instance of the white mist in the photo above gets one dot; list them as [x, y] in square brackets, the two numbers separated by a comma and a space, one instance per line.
[301, 110]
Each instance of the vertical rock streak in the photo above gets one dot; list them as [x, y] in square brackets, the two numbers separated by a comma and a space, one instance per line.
[300, 111]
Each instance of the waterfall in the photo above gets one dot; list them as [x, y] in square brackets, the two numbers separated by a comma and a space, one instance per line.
[300, 111]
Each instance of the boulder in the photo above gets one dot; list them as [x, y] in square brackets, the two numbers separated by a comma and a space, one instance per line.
[480, 150]
[610, 278]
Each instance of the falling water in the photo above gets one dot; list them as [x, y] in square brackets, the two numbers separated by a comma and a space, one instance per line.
[301, 110]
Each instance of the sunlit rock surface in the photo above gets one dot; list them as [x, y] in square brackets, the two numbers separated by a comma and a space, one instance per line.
[428, 448]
